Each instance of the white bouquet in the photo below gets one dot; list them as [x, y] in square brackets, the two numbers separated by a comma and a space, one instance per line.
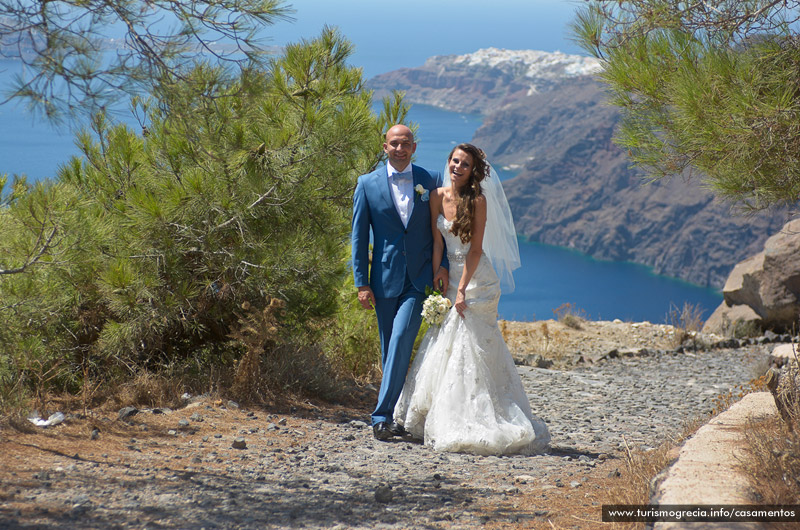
[435, 308]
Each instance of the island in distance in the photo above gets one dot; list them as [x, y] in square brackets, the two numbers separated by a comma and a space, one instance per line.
[545, 116]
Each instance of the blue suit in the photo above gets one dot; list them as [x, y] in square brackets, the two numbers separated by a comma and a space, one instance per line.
[400, 270]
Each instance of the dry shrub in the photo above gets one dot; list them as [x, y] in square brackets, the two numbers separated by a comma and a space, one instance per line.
[772, 459]
[540, 338]
[570, 316]
[258, 333]
[278, 361]
[642, 468]
[687, 322]
[723, 402]
[549, 342]
[149, 389]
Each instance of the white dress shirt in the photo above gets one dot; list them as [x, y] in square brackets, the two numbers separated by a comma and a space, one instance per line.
[402, 192]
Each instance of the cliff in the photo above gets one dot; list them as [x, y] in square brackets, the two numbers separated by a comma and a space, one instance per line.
[483, 81]
[574, 187]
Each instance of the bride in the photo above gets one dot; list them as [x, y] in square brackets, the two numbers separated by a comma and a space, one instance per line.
[462, 392]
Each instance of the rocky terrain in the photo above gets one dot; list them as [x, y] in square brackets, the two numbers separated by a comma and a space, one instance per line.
[763, 291]
[548, 120]
[209, 463]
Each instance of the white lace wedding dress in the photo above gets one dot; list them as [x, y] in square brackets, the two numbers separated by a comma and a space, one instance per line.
[463, 392]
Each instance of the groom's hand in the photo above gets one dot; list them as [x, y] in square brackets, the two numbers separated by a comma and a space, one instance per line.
[441, 280]
[366, 297]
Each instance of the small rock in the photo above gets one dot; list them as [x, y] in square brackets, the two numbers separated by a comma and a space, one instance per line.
[127, 412]
[196, 417]
[239, 443]
[384, 494]
[95, 434]
[80, 499]
[232, 404]
[183, 423]
[537, 361]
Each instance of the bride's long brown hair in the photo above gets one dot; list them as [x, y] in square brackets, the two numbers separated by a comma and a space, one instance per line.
[465, 197]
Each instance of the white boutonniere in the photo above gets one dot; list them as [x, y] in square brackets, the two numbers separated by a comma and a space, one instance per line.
[422, 192]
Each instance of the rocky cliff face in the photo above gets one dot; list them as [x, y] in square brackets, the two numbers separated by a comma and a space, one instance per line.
[574, 187]
[764, 289]
[483, 81]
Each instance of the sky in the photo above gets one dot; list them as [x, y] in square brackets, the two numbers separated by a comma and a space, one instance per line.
[386, 36]
[391, 35]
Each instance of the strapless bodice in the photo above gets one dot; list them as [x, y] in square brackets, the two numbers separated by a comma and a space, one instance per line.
[456, 250]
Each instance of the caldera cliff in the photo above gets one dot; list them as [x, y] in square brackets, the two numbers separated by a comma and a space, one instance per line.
[546, 117]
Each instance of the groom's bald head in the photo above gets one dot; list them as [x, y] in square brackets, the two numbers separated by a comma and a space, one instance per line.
[399, 146]
[399, 129]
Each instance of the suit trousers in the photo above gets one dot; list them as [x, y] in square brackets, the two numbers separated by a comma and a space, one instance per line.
[399, 319]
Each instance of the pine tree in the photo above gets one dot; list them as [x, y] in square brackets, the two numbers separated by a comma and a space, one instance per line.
[171, 242]
[707, 86]
[73, 64]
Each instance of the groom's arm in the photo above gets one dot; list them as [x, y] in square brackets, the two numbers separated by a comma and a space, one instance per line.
[359, 241]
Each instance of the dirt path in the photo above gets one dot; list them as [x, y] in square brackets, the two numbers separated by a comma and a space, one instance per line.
[211, 464]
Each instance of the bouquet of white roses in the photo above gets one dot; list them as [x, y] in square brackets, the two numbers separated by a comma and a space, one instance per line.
[435, 308]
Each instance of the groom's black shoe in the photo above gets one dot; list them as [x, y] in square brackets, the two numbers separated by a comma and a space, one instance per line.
[396, 429]
[381, 431]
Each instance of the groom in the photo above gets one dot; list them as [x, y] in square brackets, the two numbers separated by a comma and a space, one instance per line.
[391, 203]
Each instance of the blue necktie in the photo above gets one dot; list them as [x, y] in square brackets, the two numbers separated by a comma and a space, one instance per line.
[402, 177]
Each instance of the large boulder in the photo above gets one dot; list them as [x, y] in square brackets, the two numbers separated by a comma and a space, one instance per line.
[732, 321]
[764, 288]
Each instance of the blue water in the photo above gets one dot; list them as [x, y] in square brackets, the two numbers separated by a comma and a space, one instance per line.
[549, 276]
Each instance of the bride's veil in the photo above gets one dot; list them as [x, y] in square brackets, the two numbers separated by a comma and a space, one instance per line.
[500, 238]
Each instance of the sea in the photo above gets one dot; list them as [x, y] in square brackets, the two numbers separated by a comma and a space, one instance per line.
[550, 277]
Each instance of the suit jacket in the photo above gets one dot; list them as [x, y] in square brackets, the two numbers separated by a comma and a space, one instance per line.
[396, 249]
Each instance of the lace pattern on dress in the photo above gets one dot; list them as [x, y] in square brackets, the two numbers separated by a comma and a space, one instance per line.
[463, 392]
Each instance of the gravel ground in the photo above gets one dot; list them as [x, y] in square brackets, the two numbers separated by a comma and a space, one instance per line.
[214, 465]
